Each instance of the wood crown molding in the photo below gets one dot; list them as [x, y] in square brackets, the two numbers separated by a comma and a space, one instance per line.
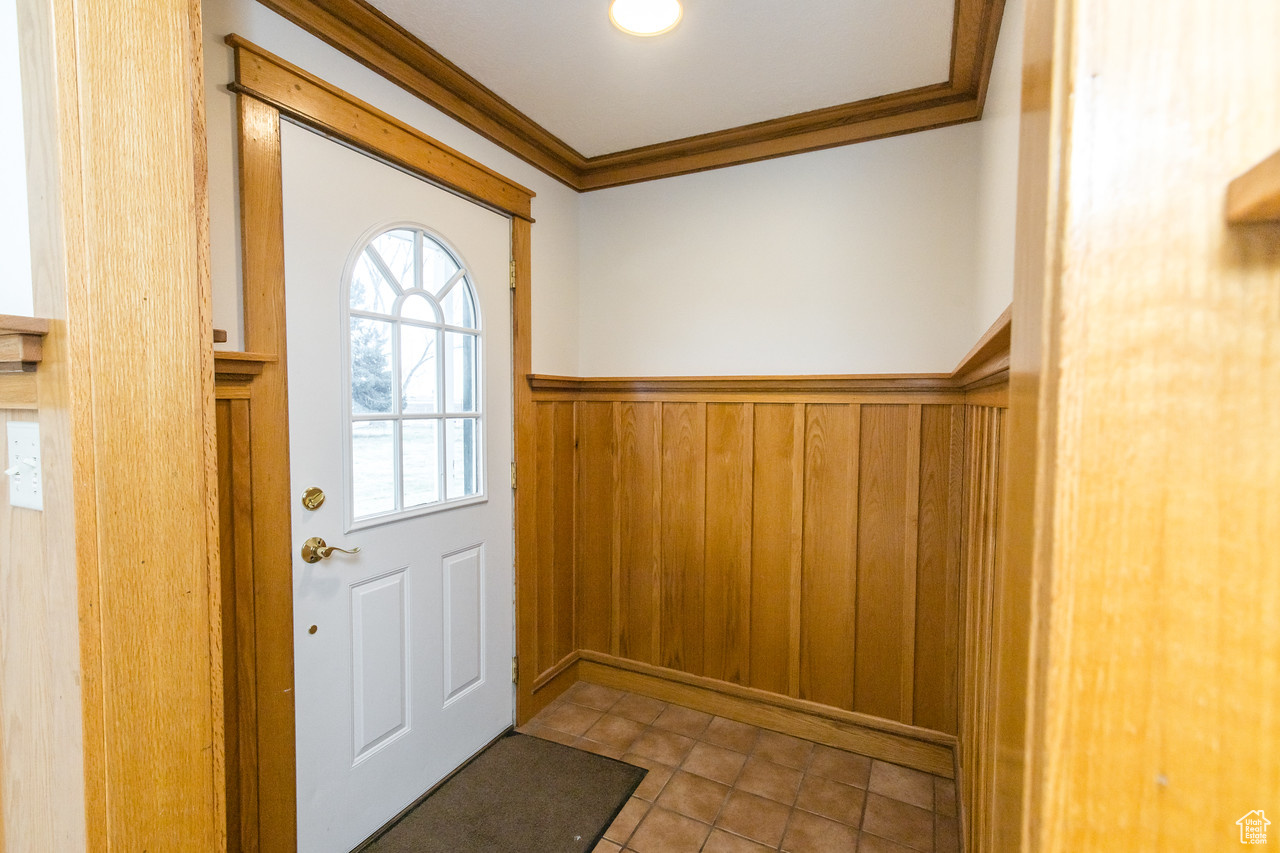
[371, 38]
[986, 364]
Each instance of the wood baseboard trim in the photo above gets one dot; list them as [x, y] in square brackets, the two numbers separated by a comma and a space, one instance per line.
[554, 671]
[547, 687]
[920, 749]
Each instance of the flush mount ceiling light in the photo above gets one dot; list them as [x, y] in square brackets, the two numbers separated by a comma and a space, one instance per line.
[645, 17]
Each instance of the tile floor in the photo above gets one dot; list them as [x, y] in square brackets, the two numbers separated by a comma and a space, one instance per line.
[721, 786]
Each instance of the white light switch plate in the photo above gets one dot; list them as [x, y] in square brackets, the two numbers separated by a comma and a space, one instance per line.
[26, 488]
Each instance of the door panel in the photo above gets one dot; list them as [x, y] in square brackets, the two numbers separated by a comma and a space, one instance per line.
[402, 650]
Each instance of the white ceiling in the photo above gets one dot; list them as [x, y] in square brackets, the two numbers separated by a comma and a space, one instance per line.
[728, 63]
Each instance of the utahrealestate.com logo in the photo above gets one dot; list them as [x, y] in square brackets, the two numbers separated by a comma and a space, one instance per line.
[1253, 827]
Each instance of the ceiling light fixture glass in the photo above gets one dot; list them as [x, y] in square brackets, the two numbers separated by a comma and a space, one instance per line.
[645, 17]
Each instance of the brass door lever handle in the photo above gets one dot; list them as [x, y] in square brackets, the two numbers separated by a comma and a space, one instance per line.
[314, 550]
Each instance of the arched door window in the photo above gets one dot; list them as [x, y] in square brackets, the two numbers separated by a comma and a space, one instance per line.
[414, 348]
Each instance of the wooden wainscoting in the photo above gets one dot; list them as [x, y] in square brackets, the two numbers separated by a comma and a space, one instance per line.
[808, 548]
[797, 541]
[984, 464]
[257, 709]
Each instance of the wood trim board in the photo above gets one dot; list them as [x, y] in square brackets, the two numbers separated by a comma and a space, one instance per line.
[365, 34]
[11, 324]
[308, 99]
[1255, 195]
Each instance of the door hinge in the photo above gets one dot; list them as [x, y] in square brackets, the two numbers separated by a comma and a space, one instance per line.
[515, 670]
[513, 275]
[513, 475]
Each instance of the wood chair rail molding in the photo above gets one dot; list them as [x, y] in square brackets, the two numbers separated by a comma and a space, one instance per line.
[365, 34]
[231, 366]
[21, 351]
[1255, 195]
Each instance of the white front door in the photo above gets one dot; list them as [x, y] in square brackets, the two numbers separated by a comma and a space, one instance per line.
[399, 354]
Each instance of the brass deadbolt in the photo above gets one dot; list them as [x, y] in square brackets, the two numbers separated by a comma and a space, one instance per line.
[313, 498]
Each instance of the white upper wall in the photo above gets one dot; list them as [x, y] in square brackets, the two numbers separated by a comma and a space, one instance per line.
[998, 174]
[881, 257]
[851, 260]
[15, 227]
[555, 236]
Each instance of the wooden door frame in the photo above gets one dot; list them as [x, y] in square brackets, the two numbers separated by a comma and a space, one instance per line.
[269, 89]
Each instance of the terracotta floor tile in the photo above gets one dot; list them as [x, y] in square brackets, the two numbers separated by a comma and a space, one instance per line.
[616, 731]
[664, 831]
[547, 733]
[654, 780]
[946, 834]
[846, 767]
[831, 799]
[809, 833]
[783, 749]
[569, 718]
[726, 842]
[714, 762]
[898, 821]
[606, 846]
[754, 817]
[902, 783]
[944, 796]
[588, 745]
[666, 747]
[693, 796]
[731, 734]
[868, 843]
[769, 780]
[642, 709]
[627, 821]
[682, 721]
[593, 695]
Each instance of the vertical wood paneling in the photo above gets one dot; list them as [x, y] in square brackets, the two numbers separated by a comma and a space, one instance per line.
[882, 511]
[938, 578]
[563, 530]
[544, 484]
[594, 511]
[239, 628]
[638, 528]
[984, 449]
[727, 621]
[803, 548]
[831, 527]
[799, 419]
[910, 559]
[773, 530]
[684, 472]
